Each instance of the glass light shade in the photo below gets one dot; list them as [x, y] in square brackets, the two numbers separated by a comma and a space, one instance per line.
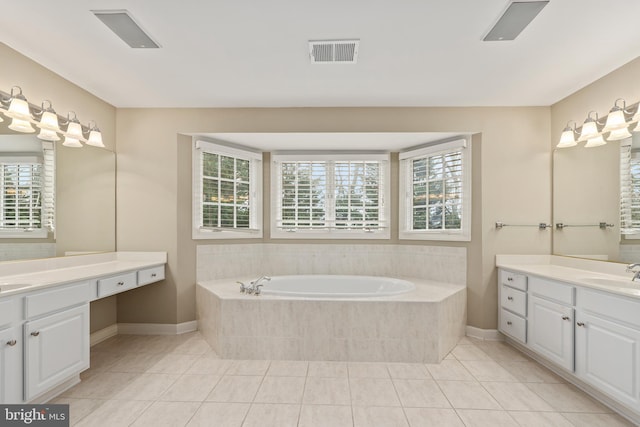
[589, 130]
[95, 139]
[71, 142]
[74, 130]
[567, 139]
[48, 135]
[20, 125]
[49, 121]
[18, 109]
[618, 134]
[595, 142]
[615, 120]
[636, 119]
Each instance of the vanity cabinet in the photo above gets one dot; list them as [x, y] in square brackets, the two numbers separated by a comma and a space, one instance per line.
[608, 344]
[11, 350]
[513, 305]
[550, 321]
[56, 347]
[592, 334]
[11, 365]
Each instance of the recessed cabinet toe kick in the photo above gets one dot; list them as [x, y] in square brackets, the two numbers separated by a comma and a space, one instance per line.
[591, 334]
[44, 332]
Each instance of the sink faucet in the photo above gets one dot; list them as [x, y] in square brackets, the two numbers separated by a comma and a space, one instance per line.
[630, 269]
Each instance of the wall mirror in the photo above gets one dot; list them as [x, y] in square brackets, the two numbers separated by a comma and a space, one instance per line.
[586, 201]
[84, 199]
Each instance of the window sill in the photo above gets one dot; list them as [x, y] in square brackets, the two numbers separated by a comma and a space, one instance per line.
[225, 234]
[359, 235]
[441, 236]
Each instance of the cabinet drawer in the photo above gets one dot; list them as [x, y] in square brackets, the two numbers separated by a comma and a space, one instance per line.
[611, 306]
[115, 284]
[58, 298]
[552, 290]
[514, 326]
[150, 275]
[513, 300]
[515, 280]
[10, 310]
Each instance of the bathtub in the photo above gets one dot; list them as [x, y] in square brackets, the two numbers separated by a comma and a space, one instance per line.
[334, 286]
[324, 317]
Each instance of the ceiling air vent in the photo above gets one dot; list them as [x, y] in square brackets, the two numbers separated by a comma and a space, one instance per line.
[125, 27]
[333, 51]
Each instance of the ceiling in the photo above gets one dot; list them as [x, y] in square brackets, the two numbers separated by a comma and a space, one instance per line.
[239, 53]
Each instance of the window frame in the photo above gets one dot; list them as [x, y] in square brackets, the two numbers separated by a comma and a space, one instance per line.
[45, 158]
[406, 191]
[385, 211]
[255, 230]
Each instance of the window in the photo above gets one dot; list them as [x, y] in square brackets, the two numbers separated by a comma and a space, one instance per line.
[226, 198]
[629, 191]
[27, 179]
[330, 196]
[435, 192]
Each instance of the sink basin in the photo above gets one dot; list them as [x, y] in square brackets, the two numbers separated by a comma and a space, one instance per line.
[605, 281]
[13, 286]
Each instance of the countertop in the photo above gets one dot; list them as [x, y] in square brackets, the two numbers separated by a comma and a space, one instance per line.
[583, 273]
[38, 274]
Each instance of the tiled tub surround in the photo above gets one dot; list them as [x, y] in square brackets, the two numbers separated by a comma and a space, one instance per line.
[420, 326]
[438, 263]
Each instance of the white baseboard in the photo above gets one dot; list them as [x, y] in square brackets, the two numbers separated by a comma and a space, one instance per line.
[157, 328]
[484, 334]
[103, 334]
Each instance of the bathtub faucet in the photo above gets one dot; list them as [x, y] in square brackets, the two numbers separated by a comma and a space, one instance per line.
[257, 284]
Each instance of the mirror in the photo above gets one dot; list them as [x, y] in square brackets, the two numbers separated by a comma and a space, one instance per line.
[586, 201]
[84, 203]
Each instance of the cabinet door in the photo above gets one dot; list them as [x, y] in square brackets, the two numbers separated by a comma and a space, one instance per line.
[11, 365]
[56, 348]
[608, 357]
[550, 331]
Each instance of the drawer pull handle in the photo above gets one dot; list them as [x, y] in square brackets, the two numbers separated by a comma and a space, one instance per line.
[153, 274]
[580, 324]
[510, 279]
[510, 298]
[509, 323]
[35, 333]
[120, 283]
[12, 343]
[565, 318]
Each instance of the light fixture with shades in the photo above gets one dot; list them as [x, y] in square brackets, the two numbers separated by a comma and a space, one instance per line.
[596, 133]
[23, 115]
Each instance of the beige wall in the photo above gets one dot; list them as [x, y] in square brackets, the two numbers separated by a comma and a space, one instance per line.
[598, 96]
[92, 216]
[512, 175]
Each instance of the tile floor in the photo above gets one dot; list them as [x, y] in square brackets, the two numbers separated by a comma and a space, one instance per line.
[179, 381]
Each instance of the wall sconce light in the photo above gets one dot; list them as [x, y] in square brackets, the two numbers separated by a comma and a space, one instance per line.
[616, 127]
[568, 137]
[15, 106]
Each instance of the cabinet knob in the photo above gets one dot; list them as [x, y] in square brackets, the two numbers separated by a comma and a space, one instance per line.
[509, 323]
[35, 333]
[510, 298]
[580, 324]
[12, 343]
[120, 283]
[510, 279]
[565, 318]
[153, 274]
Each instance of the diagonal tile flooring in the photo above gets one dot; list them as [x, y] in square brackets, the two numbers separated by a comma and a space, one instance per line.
[179, 381]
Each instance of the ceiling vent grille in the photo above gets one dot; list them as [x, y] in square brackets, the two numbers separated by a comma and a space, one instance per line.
[126, 27]
[334, 51]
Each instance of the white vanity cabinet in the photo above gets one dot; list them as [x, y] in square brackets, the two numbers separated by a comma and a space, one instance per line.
[513, 305]
[56, 347]
[10, 350]
[550, 321]
[608, 344]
